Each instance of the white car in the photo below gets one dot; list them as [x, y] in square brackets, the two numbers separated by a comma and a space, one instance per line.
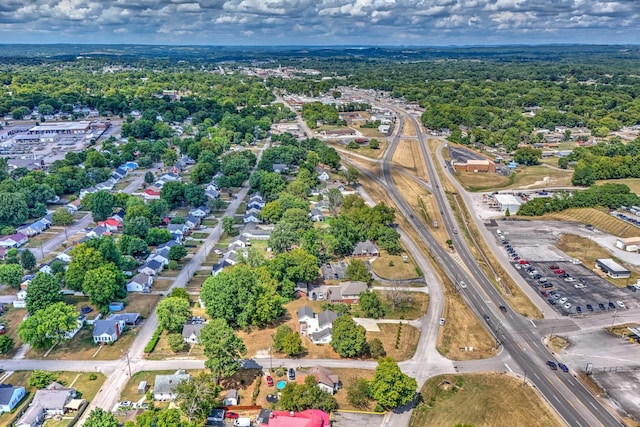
[441, 321]
[569, 279]
[567, 306]
[125, 403]
[579, 286]
[563, 300]
[620, 304]
[463, 285]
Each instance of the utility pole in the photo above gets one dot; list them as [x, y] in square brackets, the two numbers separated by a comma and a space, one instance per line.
[128, 364]
[552, 331]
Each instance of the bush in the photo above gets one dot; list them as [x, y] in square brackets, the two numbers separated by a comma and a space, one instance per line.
[376, 349]
[153, 341]
[173, 265]
[93, 377]
[358, 393]
[378, 408]
[176, 342]
[256, 390]
[41, 379]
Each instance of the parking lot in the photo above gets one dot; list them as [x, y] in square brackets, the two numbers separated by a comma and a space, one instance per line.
[570, 287]
[356, 419]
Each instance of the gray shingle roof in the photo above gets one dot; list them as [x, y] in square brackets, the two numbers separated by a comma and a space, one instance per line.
[188, 330]
[326, 318]
[305, 311]
[167, 383]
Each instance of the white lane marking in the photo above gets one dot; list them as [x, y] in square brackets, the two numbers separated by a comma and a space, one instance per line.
[536, 375]
[533, 324]
[510, 370]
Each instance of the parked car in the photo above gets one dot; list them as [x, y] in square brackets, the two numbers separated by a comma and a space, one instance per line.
[543, 280]
[292, 374]
[563, 367]
[463, 285]
[231, 416]
[552, 365]
[554, 267]
[569, 279]
[503, 308]
[612, 305]
[563, 300]
[620, 304]
[441, 321]
[589, 307]
[601, 306]
[558, 271]
[567, 306]
[522, 261]
[269, 381]
[579, 285]
[578, 309]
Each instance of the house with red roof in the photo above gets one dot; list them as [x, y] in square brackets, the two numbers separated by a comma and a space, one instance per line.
[110, 224]
[306, 418]
[151, 194]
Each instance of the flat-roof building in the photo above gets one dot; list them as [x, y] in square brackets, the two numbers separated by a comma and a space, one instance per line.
[629, 244]
[476, 165]
[508, 201]
[612, 268]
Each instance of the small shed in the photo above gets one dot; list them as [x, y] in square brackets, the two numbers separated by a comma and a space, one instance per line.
[142, 387]
[231, 399]
[116, 306]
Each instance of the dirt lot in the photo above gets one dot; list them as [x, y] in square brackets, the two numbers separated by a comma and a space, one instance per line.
[409, 129]
[479, 400]
[12, 318]
[600, 219]
[409, 337]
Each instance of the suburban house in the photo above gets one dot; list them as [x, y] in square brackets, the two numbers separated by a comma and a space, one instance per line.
[327, 380]
[256, 201]
[110, 224]
[366, 249]
[51, 401]
[140, 283]
[107, 331]
[231, 398]
[64, 256]
[13, 241]
[322, 174]
[34, 229]
[251, 217]
[253, 210]
[306, 418]
[129, 319]
[211, 193]
[334, 270]
[86, 191]
[191, 333]
[107, 185]
[10, 396]
[345, 292]
[316, 328]
[99, 231]
[120, 173]
[192, 222]
[177, 229]
[164, 385]
[257, 231]
[151, 194]
[151, 268]
[280, 168]
[316, 215]
[241, 241]
[160, 257]
[200, 211]
[229, 259]
[118, 214]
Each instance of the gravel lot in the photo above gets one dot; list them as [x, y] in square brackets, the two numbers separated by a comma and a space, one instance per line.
[356, 419]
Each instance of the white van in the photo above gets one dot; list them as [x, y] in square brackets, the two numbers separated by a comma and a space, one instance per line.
[499, 232]
[243, 422]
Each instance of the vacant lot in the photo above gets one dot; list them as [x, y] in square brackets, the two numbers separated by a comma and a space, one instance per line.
[599, 218]
[11, 319]
[409, 337]
[409, 129]
[393, 267]
[409, 156]
[632, 183]
[405, 305]
[524, 177]
[481, 400]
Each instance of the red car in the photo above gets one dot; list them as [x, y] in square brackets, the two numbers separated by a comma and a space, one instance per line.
[231, 416]
[554, 267]
[559, 271]
[524, 261]
[269, 381]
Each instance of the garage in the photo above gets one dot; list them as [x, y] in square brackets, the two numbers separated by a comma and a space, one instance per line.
[612, 268]
[508, 201]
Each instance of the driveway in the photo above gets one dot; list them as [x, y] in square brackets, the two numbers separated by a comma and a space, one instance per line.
[357, 419]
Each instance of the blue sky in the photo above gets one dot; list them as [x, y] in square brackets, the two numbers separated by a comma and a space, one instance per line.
[320, 22]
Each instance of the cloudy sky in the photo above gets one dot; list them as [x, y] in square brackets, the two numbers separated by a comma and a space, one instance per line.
[320, 22]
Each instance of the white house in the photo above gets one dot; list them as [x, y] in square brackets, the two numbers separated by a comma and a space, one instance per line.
[322, 174]
[191, 333]
[327, 381]
[140, 283]
[317, 328]
[251, 217]
[49, 402]
[107, 331]
[151, 268]
[200, 211]
[164, 386]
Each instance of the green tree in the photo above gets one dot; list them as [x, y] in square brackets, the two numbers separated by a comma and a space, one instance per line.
[11, 274]
[527, 156]
[27, 259]
[390, 387]
[376, 349]
[101, 418]
[335, 199]
[41, 379]
[169, 157]
[133, 246]
[351, 175]
[358, 393]
[6, 344]
[44, 290]
[102, 284]
[194, 195]
[177, 252]
[222, 347]
[62, 216]
[172, 313]
[217, 204]
[298, 397]
[287, 341]
[348, 338]
[102, 204]
[173, 193]
[13, 209]
[137, 227]
[179, 293]
[374, 144]
[149, 178]
[158, 236]
[227, 225]
[196, 397]
[357, 271]
[176, 342]
[48, 326]
[371, 305]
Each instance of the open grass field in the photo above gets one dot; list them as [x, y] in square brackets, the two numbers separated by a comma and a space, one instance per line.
[346, 376]
[370, 166]
[409, 337]
[632, 183]
[409, 156]
[400, 270]
[130, 391]
[524, 177]
[599, 218]
[481, 400]
[370, 132]
[423, 203]
[11, 319]
[410, 305]
[364, 150]
[587, 251]
[409, 129]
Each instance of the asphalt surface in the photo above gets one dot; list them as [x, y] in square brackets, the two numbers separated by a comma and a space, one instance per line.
[563, 392]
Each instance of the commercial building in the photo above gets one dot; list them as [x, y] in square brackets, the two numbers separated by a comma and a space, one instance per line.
[476, 165]
[612, 268]
[508, 201]
[630, 244]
